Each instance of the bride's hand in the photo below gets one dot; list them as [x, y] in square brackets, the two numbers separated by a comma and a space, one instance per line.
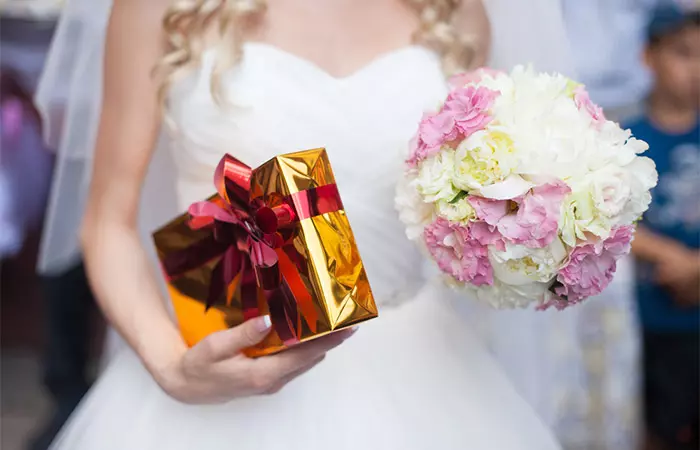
[215, 370]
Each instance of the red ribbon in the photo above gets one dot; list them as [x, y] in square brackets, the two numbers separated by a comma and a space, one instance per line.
[254, 243]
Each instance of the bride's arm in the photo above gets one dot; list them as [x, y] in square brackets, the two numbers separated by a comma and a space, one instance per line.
[118, 268]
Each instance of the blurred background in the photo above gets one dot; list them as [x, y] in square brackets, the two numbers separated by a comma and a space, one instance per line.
[26, 28]
[25, 34]
[50, 332]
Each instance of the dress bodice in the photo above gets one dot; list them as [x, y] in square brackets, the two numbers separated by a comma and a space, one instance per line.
[279, 103]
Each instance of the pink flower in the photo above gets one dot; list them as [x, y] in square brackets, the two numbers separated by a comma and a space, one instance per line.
[465, 111]
[531, 220]
[489, 210]
[475, 76]
[590, 267]
[470, 108]
[583, 101]
[434, 130]
[486, 234]
[553, 301]
[458, 253]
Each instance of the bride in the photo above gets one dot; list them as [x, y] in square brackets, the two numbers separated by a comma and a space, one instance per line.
[256, 79]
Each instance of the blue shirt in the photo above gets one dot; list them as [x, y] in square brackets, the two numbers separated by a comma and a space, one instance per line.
[674, 213]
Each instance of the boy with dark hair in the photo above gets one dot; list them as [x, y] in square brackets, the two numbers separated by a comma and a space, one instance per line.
[668, 240]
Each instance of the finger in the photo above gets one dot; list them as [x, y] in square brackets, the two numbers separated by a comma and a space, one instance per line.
[290, 376]
[282, 364]
[228, 343]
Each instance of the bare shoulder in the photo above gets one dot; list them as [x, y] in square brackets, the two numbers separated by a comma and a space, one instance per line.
[136, 40]
[152, 9]
[139, 23]
[131, 113]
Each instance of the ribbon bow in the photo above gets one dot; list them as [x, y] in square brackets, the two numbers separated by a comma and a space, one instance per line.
[254, 242]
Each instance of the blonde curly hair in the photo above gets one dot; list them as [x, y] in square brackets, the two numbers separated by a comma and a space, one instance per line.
[187, 23]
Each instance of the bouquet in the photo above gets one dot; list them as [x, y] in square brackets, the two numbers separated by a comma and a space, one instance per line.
[521, 190]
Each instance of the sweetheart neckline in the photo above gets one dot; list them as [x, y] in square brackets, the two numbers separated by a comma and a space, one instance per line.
[377, 61]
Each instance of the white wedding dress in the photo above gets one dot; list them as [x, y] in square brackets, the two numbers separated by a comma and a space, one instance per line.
[413, 379]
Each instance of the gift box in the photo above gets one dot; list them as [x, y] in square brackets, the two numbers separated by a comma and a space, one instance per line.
[273, 240]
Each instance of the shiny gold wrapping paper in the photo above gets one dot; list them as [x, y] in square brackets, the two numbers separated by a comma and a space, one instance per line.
[330, 268]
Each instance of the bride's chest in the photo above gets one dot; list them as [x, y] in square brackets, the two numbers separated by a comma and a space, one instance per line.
[278, 103]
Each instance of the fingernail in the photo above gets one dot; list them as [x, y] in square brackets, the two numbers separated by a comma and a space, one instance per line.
[264, 323]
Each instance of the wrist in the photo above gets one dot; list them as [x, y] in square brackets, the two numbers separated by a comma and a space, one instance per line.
[162, 358]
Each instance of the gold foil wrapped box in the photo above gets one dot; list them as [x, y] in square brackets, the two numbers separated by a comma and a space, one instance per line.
[274, 240]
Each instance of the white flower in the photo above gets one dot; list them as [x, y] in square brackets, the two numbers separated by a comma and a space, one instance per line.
[413, 211]
[484, 158]
[502, 83]
[513, 186]
[435, 174]
[637, 145]
[610, 190]
[550, 135]
[459, 211]
[620, 194]
[613, 145]
[642, 177]
[607, 197]
[519, 265]
[504, 296]
[580, 217]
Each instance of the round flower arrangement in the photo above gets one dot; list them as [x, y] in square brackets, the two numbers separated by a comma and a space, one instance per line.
[522, 191]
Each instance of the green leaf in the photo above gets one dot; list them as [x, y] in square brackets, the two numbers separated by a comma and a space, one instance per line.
[458, 197]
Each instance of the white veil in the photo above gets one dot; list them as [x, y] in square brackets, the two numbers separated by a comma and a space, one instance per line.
[69, 98]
